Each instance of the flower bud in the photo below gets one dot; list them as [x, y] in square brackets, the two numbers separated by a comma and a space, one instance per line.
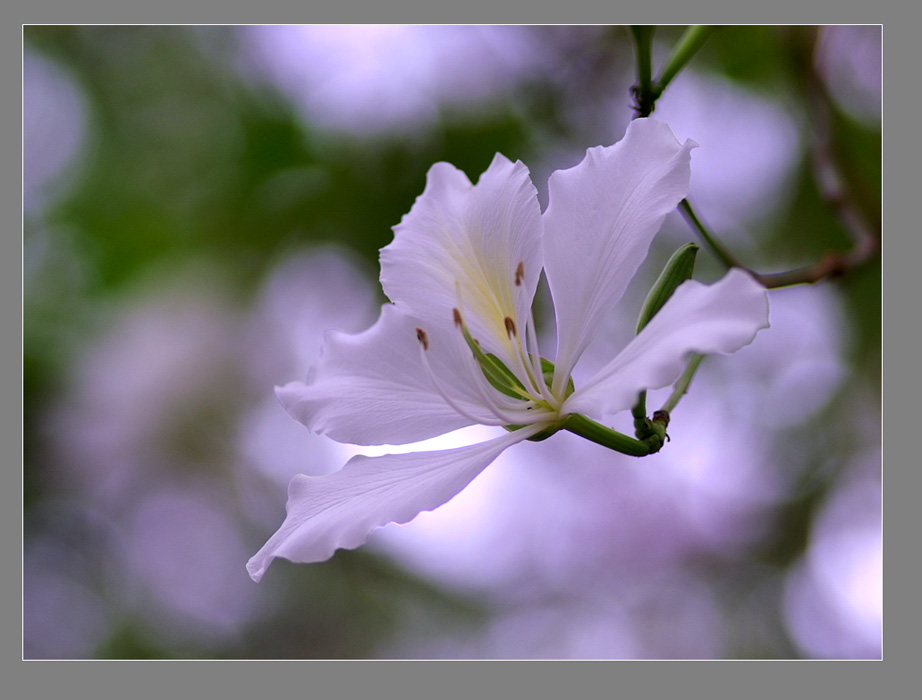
[678, 269]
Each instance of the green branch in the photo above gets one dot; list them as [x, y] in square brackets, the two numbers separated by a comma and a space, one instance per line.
[718, 248]
[681, 386]
[599, 434]
[692, 40]
[644, 93]
[647, 91]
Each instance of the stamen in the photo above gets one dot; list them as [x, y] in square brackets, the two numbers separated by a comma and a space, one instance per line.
[519, 274]
[422, 338]
[458, 298]
[491, 401]
[533, 353]
[531, 342]
[451, 402]
[522, 375]
[528, 358]
[529, 379]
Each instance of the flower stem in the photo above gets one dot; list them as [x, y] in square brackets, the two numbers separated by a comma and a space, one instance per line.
[639, 409]
[644, 92]
[647, 91]
[681, 386]
[718, 248]
[692, 40]
[599, 434]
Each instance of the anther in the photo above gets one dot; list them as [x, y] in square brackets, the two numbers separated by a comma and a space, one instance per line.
[457, 317]
[519, 274]
[422, 338]
[510, 327]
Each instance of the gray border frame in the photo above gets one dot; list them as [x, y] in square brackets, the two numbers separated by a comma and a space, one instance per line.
[717, 679]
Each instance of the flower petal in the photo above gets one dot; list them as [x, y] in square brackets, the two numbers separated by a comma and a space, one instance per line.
[601, 216]
[371, 388]
[472, 239]
[340, 510]
[722, 317]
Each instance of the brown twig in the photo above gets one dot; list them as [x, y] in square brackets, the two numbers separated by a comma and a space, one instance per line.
[834, 188]
[827, 169]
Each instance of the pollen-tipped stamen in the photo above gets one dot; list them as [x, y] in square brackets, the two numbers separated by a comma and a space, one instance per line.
[492, 401]
[496, 373]
[422, 338]
[519, 354]
[534, 353]
[423, 348]
[517, 380]
[531, 349]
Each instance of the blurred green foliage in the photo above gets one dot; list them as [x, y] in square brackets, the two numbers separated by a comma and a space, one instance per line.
[186, 161]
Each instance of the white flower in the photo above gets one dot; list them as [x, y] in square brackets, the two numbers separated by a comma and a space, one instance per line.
[458, 344]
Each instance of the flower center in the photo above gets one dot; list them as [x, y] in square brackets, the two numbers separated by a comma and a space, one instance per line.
[517, 389]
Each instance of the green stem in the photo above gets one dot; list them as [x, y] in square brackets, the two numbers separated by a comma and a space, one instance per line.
[718, 248]
[681, 386]
[599, 434]
[643, 39]
[639, 413]
[639, 409]
[647, 91]
[644, 92]
[692, 40]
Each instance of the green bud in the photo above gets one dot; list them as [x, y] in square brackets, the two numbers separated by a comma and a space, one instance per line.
[677, 270]
[499, 376]
[493, 369]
